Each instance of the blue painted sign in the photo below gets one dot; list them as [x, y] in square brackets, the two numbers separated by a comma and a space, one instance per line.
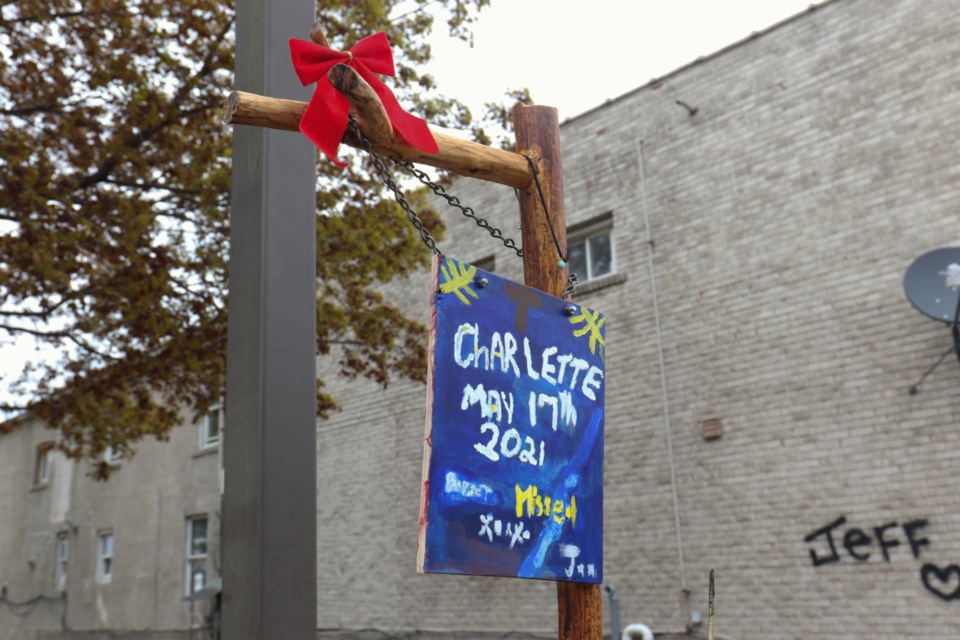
[513, 459]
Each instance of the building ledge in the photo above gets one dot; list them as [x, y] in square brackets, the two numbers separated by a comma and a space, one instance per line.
[206, 451]
[597, 284]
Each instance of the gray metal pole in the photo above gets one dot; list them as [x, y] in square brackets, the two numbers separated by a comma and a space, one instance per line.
[269, 507]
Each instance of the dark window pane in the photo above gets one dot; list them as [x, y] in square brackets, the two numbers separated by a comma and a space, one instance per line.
[198, 537]
[601, 255]
[213, 425]
[577, 260]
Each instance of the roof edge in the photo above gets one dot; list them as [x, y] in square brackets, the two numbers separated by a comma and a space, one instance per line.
[702, 59]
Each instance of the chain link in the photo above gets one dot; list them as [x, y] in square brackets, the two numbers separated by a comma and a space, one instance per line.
[572, 283]
[392, 185]
[454, 202]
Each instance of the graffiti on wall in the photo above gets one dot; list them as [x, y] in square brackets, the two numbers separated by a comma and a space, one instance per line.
[836, 541]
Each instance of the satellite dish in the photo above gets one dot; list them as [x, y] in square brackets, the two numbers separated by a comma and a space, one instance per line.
[932, 284]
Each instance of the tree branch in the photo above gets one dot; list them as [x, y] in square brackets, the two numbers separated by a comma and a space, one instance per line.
[38, 18]
[136, 141]
[48, 310]
[35, 332]
[89, 349]
[11, 408]
[147, 186]
[26, 110]
[24, 314]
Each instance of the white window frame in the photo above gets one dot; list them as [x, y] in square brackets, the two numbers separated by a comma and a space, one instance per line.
[111, 457]
[61, 558]
[41, 464]
[105, 555]
[581, 234]
[204, 439]
[191, 558]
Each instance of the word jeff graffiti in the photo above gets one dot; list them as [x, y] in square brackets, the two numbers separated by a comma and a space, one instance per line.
[862, 544]
[857, 541]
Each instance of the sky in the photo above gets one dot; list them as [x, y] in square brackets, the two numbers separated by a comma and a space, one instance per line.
[571, 54]
[574, 55]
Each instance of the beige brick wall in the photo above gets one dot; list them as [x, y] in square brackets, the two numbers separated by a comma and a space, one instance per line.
[145, 504]
[821, 161]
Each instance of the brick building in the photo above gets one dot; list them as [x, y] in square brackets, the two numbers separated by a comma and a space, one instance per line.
[134, 557]
[758, 241]
[748, 247]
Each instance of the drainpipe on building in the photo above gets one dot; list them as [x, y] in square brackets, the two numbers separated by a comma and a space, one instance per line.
[684, 592]
[614, 610]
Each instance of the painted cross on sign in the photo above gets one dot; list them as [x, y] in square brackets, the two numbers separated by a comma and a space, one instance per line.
[513, 460]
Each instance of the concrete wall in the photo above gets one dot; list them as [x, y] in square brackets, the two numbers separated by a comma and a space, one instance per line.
[782, 218]
[145, 504]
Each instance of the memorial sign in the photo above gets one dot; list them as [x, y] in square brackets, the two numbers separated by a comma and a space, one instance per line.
[513, 455]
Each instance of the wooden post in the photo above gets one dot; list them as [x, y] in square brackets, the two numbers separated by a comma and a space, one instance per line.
[537, 130]
[538, 137]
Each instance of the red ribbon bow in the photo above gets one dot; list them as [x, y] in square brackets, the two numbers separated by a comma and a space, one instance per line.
[325, 119]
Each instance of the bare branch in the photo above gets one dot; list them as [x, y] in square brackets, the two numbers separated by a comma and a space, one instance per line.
[46, 18]
[24, 314]
[30, 109]
[147, 186]
[35, 332]
[90, 349]
[11, 408]
[137, 140]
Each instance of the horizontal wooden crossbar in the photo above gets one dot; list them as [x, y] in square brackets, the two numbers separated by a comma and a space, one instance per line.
[459, 156]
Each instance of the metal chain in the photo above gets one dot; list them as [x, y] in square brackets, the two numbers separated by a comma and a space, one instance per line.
[454, 202]
[572, 283]
[392, 185]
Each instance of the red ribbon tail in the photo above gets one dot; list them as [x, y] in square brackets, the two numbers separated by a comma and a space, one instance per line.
[325, 120]
[412, 129]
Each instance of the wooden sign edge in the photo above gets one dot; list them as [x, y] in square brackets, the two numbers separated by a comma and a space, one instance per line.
[428, 419]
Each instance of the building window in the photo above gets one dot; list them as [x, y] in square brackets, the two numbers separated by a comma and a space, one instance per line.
[62, 554]
[196, 563]
[111, 457]
[210, 428]
[590, 250]
[487, 263]
[104, 556]
[41, 465]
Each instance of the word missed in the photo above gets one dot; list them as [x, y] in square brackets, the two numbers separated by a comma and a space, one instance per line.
[534, 504]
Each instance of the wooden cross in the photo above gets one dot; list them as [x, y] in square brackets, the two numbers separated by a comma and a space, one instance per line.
[538, 138]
